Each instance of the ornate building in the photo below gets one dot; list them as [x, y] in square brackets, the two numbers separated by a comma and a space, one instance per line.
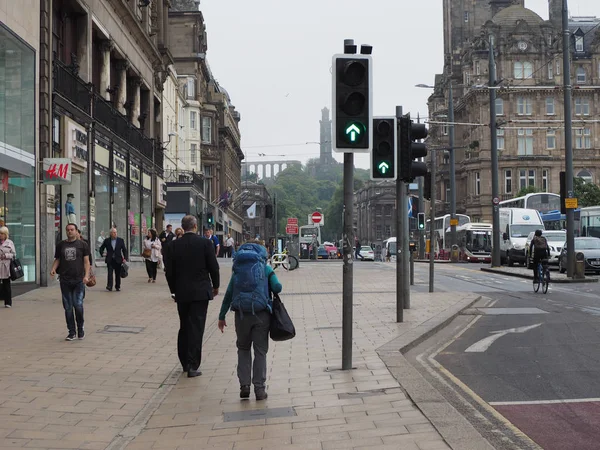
[529, 107]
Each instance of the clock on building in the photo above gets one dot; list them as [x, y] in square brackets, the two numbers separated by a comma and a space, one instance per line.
[522, 45]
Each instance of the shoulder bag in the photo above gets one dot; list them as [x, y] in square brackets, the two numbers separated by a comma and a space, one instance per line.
[282, 328]
[16, 269]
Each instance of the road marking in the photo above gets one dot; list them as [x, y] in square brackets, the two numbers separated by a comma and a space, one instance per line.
[547, 402]
[485, 343]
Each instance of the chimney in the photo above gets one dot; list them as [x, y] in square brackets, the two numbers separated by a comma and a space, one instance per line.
[555, 12]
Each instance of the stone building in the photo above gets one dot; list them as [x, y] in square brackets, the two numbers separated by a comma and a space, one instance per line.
[260, 224]
[529, 108]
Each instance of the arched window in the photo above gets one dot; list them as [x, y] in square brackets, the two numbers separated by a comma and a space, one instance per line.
[585, 175]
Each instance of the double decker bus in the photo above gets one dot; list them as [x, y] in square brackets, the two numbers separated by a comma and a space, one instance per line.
[441, 233]
[543, 202]
[475, 242]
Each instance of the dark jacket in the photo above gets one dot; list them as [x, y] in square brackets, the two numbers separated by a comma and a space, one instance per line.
[192, 268]
[120, 251]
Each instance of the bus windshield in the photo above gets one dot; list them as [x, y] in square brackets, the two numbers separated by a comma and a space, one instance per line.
[479, 241]
[308, 232]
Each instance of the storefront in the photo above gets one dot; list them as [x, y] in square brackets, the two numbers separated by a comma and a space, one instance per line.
[17, 148]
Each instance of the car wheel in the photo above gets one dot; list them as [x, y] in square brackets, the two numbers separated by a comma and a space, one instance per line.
[509, 261]
[560, 267]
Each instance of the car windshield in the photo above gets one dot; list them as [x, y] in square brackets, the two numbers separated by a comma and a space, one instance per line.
[522, 230]
[587, 244]
[556, 237]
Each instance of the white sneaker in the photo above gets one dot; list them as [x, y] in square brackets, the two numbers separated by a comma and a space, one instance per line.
[7, 306]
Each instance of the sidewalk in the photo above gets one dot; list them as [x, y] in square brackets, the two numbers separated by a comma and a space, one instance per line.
[122, 390]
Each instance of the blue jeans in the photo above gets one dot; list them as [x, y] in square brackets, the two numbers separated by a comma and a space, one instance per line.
[72, 298]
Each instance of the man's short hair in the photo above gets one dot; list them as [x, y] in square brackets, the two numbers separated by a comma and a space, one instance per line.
[72, 225]
[188, 223]
[169, 226]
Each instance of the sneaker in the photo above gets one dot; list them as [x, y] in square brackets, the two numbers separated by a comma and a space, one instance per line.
[81, 335]
[108, 288]
[260, 394]
[118, 289]
[244, 391]
[70, 337]
[7, 306]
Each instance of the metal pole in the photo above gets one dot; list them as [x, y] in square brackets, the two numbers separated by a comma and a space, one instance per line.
[405, 247]
[452, 167]
[348, 237]
[400, 201]
[420, 182]
[494, 148]
[568, 138]
[412, 268]
[431, 224]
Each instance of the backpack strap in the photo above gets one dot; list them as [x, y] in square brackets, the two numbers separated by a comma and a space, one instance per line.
[269, 283]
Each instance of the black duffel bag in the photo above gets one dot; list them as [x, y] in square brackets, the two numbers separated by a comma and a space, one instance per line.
[282, 327]
[124, 270]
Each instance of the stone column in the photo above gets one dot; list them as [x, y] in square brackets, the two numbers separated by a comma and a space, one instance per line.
[165, 24]
[122, 67]
[160, 23]
[105, 49]
[135, 108]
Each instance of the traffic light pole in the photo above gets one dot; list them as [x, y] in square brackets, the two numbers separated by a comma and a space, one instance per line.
[494, 148]
[452, 169]
[421, 180]
[431, 222]
[402, 240]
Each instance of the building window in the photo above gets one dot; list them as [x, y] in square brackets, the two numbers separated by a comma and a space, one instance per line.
[582, 107]
[378, 210]
[558, 62]
[206, 130]
[378, 234]
[531, 177]
[500, 138]
[544, 180]
[551, 70]
[508, 181]
[388, 211]
[578, 43]
[466, 16]
[477, 68]
[388, 230]
[524, 106]
[522, 179]
[583, 138]
[551, 139]
[193, 153]
[550, 106]
[191, 88]
[581, 77]
[585, 175]
[477, 183]
[499, 107]
[525, 141]
[523, 70]
[445, 129]
[193, 120]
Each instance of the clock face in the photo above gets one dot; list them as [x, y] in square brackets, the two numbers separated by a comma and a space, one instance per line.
[522, 45]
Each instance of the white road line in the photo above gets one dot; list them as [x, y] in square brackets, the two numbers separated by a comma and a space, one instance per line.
[546, 402]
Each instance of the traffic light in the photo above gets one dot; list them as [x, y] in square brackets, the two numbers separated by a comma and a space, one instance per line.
[383, 154]
[410, 150]
[209, 218]
[352, 103]
[421, 221]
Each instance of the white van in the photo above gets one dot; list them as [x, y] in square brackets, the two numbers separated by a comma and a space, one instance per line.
[515, 225]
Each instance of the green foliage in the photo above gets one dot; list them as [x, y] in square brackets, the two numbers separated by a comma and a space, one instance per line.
[587, 194]
[252, 177]
[527, 190]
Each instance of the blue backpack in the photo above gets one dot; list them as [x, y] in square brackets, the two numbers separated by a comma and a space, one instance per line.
[250, 283]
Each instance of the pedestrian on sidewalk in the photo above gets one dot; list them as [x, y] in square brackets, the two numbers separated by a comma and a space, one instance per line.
[167, 236]
[193, 271]
[248, 295]
[209, 234]
[178, 233]
[7, 254]
[152, 254]
[116, 255]
[72, 262]
[228, 245]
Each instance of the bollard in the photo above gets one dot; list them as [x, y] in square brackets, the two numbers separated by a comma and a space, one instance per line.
[579, 266]
[454, 253]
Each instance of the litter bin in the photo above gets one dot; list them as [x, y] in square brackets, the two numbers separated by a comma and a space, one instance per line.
[579, 265]
[454, 253]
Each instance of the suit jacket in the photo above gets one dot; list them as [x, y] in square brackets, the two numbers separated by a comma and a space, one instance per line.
[118, 254]
[192, 268]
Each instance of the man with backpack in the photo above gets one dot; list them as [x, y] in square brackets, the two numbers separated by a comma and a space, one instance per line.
[540, 251]
[249, 296]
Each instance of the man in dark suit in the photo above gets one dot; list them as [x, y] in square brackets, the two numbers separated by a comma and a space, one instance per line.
[116, 255]
[193, 271]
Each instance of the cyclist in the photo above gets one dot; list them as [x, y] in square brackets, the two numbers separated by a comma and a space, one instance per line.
[540, 251]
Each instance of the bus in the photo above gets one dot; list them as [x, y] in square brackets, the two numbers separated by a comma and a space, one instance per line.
[588, 222]
[475, 242]
[441, 233]
[543, 202]
[554, 220]
[306, 234]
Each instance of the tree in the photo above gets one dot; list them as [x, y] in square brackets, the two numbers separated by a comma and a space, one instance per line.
[527, 190]
[587, 194]
[252, 177]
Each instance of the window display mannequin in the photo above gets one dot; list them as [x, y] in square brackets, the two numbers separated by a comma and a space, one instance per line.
[70, 209]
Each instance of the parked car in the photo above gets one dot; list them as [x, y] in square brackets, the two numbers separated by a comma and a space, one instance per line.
[332, 250]
[556, 240]
[590, 247]
[322, 252]
[367, 253]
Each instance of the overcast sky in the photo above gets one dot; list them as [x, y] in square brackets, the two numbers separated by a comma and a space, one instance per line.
[274, 59]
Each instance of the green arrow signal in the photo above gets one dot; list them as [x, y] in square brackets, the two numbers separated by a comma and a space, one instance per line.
[353, 131]
[383, 167]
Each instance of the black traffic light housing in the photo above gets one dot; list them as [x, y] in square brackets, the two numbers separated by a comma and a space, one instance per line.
[352, 103]
[383, 154]
[410, 150]
[209, 218]
[421, 221]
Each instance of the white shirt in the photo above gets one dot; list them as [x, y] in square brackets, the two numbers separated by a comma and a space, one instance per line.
[229, 242]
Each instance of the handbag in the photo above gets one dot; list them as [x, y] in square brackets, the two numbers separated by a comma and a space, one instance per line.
[124, 270]
[16, 269]
[282, 327]
[147, 253]
[91, 280]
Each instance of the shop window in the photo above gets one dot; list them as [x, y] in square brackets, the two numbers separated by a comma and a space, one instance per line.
[102, 189]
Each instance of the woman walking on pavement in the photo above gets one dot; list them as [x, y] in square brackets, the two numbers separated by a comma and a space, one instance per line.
[7, 254]
[152, 254]
[248, 295]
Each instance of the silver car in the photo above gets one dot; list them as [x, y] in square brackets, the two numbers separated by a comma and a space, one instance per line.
[556, 241]
[590, 247]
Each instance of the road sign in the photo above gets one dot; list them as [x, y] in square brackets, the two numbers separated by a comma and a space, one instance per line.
[571, 203]
[292, 221]
[291, 229]
[316, 217]
[454, 222]
[496, 201]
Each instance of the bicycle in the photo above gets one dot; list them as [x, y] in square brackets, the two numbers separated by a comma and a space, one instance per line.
[285, 260]
[543, 277]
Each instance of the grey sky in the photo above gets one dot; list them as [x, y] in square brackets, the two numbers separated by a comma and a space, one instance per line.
[274, 59]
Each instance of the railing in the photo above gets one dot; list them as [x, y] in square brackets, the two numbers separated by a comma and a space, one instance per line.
[185, 177]
[68, 84]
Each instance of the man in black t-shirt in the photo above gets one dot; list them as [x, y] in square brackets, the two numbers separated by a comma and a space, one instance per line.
[72, 263]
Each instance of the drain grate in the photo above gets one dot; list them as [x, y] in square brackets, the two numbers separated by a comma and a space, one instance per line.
[254, 414]
[122, 329]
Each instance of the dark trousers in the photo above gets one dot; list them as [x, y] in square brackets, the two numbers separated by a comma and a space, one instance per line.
[538, 256]
[252, 331]
[72, 298]
[192, 319]
[115, 267]
[6, 291]
[151, 268]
